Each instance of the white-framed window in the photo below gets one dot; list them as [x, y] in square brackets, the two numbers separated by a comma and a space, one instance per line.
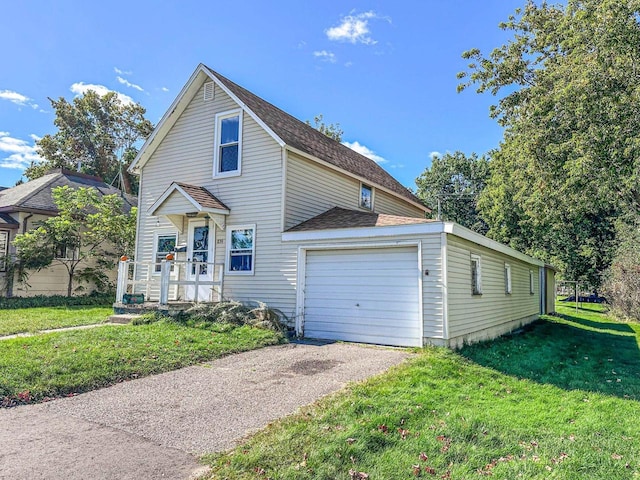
[163, 244]
[532, 286]
[241, 249]
[366, 196]
[507, 278]
[476, 274]
[228, 146]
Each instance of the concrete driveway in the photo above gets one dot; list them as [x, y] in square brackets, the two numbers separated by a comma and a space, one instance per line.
[154, 427]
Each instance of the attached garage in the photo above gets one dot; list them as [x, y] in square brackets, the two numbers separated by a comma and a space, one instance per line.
[370, 295]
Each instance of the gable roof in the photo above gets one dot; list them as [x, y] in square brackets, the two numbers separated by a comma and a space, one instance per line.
[342, 218]
[287, 130]
[201, 199]
[305, 138]
[36, 195]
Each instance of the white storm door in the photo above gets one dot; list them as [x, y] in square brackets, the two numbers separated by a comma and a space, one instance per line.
[199, 249]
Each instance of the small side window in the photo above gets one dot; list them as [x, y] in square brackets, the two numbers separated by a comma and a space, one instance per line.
[476, 275]
[366, 197]
[532, 286]
[507, 278]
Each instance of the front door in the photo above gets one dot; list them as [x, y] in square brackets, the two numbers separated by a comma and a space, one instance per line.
[199, 249]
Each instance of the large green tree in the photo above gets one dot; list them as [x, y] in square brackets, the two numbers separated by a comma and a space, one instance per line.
[568, 164]
[453, 183]
[87, 235]
[97, 134]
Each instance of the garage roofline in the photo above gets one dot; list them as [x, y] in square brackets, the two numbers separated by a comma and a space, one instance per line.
[405, 230]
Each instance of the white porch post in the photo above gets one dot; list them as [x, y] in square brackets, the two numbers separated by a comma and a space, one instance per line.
[165, 272]
[123, 276]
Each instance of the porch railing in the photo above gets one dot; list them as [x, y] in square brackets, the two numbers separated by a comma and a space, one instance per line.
[166, 281]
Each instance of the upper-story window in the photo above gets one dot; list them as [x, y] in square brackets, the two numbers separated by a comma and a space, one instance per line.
[366, 196]
[228, 153]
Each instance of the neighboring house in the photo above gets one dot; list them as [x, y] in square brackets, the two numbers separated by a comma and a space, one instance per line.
[23, 206]
[285, 215]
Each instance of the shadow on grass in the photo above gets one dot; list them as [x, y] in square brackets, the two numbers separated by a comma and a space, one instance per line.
[603, 327]
[569, 352]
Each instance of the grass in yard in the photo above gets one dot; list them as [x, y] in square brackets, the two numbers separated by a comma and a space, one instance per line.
[558, 401]
[62, 363]
[45, 318]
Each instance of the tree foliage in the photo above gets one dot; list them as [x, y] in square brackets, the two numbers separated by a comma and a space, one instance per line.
[99, 133]
[568, 165]
[87, 227]
[457, 181]
[331, 130]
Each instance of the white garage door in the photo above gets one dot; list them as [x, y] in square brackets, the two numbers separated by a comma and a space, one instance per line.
[365, 295]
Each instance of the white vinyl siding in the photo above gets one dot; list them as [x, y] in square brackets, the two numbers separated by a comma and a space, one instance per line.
[373, 300]
[313, 189]
[392, 205]
[185, 155]
[469, 313]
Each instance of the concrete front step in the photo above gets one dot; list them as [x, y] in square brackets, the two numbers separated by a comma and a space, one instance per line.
[123, 317]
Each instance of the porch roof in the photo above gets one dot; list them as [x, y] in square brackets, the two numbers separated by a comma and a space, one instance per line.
[199, 197]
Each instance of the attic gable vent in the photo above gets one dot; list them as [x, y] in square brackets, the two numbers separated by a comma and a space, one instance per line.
[209, 89]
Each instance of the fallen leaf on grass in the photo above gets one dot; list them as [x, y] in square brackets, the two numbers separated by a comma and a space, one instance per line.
[355, 475]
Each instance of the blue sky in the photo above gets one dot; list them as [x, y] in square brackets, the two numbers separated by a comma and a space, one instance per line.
[386, 71]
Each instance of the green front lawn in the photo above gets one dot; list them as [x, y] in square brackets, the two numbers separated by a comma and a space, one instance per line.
[557, 401]
[62, 363]
[45, 318]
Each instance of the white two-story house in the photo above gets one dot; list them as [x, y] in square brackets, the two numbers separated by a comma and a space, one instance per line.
[261, 207]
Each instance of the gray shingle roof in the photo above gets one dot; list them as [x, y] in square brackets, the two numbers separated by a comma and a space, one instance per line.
[342, 218]
[307, 139]
[36, 194]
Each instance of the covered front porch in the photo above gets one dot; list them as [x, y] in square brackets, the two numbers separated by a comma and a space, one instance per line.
[179, 265]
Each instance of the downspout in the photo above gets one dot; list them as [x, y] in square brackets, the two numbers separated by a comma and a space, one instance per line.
[24, 222]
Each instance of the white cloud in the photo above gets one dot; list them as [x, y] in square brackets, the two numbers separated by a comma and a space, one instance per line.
[348, 64]
[354, 28]
[164, 89]
[122, 72]
[18, 99]
[126, 82]
[14, 97]
[434, 154]
[325, 56]
[80, 88]
[364, 150]
[17, 153]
